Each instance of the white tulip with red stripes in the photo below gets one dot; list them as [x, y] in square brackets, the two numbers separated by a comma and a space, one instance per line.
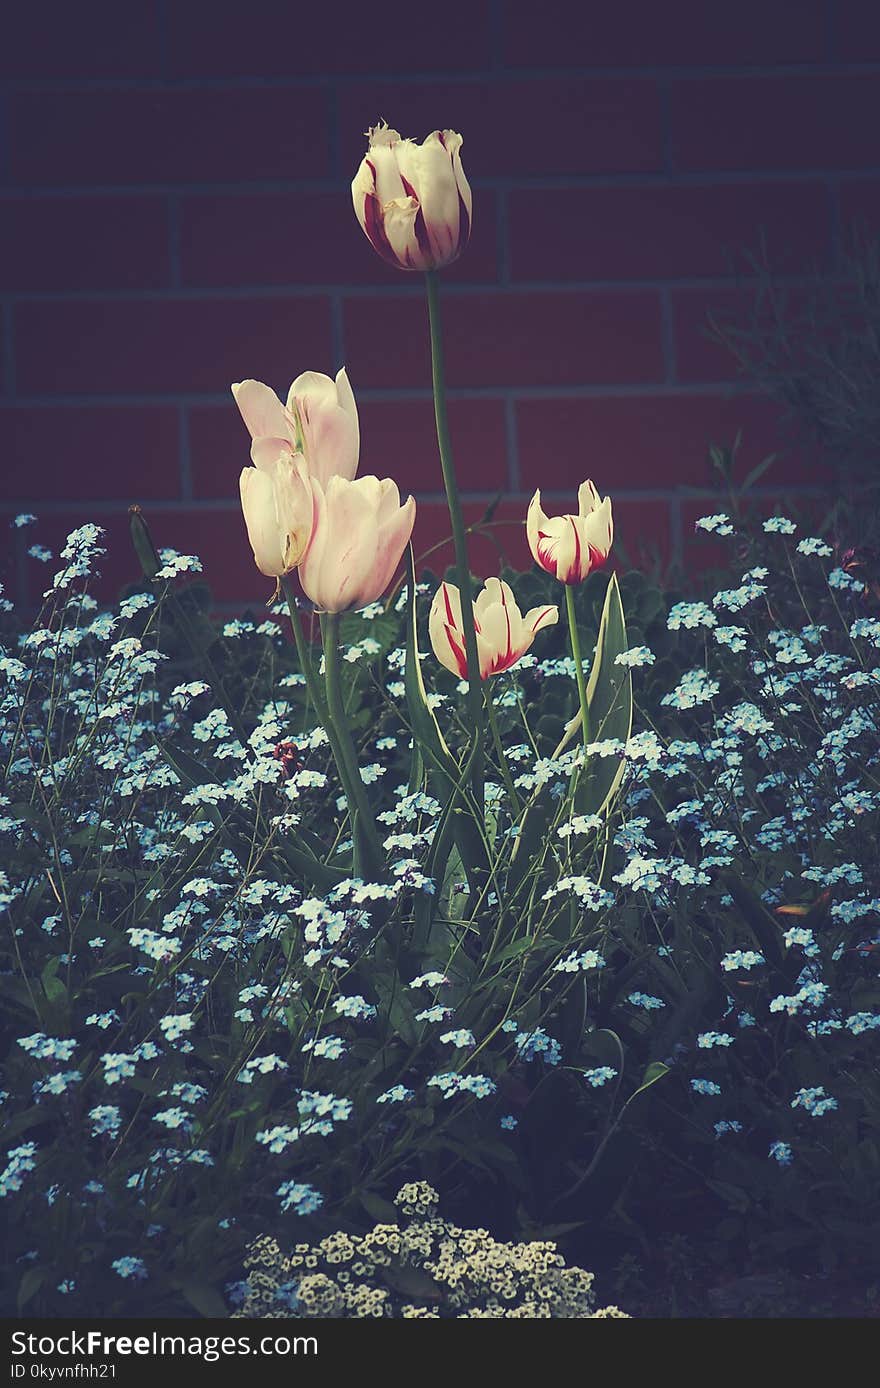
[570, 547]
[503, 633]
[412, 200]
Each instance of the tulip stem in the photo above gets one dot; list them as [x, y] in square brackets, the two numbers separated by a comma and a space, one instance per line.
[578, 663]
[325, 716]
[499, 749]
[458, 527]
[340, 736]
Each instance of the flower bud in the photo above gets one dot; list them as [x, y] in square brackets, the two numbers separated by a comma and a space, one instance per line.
[503, 633]
[569, 547]
[360, 533]
[413, 201]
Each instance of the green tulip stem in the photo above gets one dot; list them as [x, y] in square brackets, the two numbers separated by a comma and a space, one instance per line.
[340, 737]
[339, 745]
[499, 751]
[578, 663]
[455, 515]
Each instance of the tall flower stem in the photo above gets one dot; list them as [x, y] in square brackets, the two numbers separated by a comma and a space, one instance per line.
[340, 746]
[362, 818]
[499, 752]
[578, 663]
[458, 527]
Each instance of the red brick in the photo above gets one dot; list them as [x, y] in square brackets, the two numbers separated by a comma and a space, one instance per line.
[509, 339]
[542, 126]
[500, 542]
[786, 122]
[642, 536]
[645, 441]
[860, 206]
[60, 453]
[398, 440]
[83, 243]
[698, 356]
[642, 33]
[165, 346]
[664, 232]
[857, 30]
[297, 238]
[96, 38]
[279, 39]
[133, 137]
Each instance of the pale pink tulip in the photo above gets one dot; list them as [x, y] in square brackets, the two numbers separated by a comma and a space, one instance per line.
[278, 506]
[320, 421]
[360, 533]
[569, 547]
[413, 201]
[503, 633]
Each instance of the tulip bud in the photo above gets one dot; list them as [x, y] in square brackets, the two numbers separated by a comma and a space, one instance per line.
[360, 533]
[503, 633]
[569, 547]
[413, 201]
[279, 508]
[320, 421]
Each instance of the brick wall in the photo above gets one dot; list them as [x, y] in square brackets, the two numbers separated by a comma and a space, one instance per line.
[175, 215]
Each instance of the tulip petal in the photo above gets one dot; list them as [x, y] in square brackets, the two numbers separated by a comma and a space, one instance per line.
[539, 617]
[258, 506]
[588, 498]
[329, 431]
[445, 630]
[261, 410]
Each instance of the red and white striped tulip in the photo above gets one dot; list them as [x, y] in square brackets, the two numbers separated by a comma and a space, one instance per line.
[503, 633]
[279, 511]
[319, 421]
[360, 533]
[412, 200]
[569, 547]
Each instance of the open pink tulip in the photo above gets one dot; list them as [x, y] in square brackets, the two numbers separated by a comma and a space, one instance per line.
[320, 421]
[278, 506]
[503, 633]
[569, 547]
[360, 533]
[413, 201]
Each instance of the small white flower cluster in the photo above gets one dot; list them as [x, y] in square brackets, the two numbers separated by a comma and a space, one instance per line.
[424, 1268]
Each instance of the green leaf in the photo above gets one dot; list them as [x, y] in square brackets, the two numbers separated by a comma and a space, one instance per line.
[427, 736]
[205, 1299]
[52, 986]
[758, 471]
[610, 702]
[655, 1071]
[30, 1284]
[381, 1210]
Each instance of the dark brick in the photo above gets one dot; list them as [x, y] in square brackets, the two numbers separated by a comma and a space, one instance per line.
[540, 126]
[665, 232]
[95, 38]
[275, 38]
[129, 136]
[60, 453]
[303, 238]
[785, 122]
[173, 346]
[642, 33]
[83, 243]
[510, 339]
